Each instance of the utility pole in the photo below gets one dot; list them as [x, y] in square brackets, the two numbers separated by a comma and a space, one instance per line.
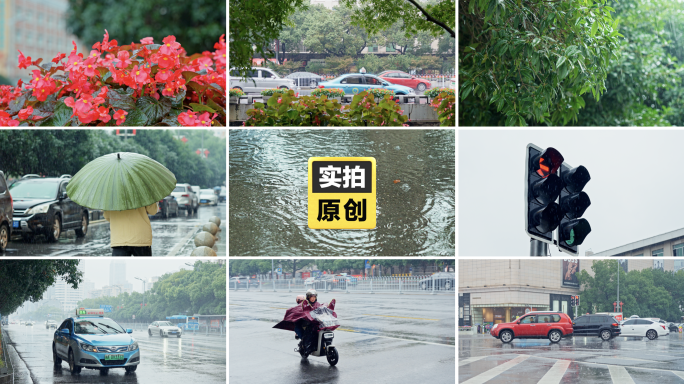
[272, 269]
[618, 286]
[143, 281]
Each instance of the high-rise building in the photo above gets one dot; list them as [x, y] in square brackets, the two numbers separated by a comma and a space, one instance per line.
[117, 275]
[38, 29]
[65, 294]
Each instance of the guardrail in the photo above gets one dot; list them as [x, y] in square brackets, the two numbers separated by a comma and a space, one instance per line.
[400, 285]
[201, 329]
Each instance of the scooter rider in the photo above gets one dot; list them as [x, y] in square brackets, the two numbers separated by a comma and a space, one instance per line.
[311, 298]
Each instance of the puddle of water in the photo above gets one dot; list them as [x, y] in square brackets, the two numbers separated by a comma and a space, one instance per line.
[268, 192]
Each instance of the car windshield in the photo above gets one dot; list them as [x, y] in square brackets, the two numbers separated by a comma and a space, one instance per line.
[34, 189]
[96, 326]
[206, 192]
[165, 324]
[179, 188]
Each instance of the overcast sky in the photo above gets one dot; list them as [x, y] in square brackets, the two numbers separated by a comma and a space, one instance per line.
[97, 270]
[636, 187]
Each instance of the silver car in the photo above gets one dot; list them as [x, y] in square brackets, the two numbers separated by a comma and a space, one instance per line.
[163, 329]
[259, 79]
[186, 197]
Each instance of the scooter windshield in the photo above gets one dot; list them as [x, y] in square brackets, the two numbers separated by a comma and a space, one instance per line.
[324, 315]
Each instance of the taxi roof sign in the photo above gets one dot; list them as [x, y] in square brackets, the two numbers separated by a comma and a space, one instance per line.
[342, 193]
[89, 312]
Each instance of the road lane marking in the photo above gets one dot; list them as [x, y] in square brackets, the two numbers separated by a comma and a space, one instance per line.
[679, 373]
[470, 360]
[347, 330]
[396, 338]
[273, 307]
[555, 374]
[619, 375]
[400, 317]
[494, 372]
[182, 242]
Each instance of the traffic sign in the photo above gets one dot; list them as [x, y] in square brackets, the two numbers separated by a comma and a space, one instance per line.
[107, 308]
[342, 193]
[279, 271]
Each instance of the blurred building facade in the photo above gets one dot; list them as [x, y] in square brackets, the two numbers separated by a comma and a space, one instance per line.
[666, 244]
[36, 27]
[117, 275]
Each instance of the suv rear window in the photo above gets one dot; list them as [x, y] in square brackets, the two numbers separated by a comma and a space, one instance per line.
[179, 189]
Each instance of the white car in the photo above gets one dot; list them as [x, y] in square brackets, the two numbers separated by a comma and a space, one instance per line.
[643, 328]
[163, 329]
[187, 198]
[208, 197]
[258, 79]
[51, 324]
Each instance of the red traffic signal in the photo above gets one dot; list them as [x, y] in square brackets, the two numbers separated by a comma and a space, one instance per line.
[547, 163]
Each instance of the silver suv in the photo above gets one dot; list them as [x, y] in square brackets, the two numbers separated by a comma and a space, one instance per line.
[187, 198]
[259, 79]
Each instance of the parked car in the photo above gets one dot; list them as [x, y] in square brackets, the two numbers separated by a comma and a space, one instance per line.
[51, 324]
[603, 326]
[164, 329]
[42, 206]
[644, 328]
[259, 79]
[241, 282]
[660, 321]
[535, 325]
[403, 78]
[305, 79]
[353, 83]
[673, 327]
[186, 198]
[168, 207]
[443, 280]
[208, 197]
[6, 208]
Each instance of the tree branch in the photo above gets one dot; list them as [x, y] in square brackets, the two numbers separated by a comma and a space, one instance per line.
[432, 19]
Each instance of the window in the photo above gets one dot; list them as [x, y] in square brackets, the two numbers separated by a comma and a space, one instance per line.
[390, 48]
[597, 320]
[372, 80]
[373, 48]
[658, 252]
[582, 320]
[678, 250]
[629, 322]
[642, 322]
[527, 320]
[678, 264]
[352, 80]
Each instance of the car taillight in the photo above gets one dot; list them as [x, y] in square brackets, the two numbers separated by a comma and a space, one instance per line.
[186, 195]
[662, 326]
[320, 86]
[614, 324]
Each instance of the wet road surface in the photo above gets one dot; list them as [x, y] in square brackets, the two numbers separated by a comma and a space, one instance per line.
[268, 192]
[483, 358]
[383, 338]
[170, 237]
[190, 359]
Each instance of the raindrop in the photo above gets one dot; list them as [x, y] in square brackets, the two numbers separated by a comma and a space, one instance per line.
[397, 147]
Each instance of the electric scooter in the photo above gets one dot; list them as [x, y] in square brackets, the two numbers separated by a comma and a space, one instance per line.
[323, 339]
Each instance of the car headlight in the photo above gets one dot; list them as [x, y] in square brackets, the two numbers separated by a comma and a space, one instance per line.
[494, 327]
[133, 346]
[88, 347]
[39, 209]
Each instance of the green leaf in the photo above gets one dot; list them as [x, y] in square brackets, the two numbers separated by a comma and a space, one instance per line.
[154, 109]
[594, 28]
[60, 117]
[188, 75]
[292, 114]
[172, 118]
[197, 87]
[121, 99]
[221, 111]
[201, 108]
[560, 61]
[137, 118]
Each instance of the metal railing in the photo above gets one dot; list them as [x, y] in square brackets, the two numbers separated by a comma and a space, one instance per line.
[205, 329]
[413, 284]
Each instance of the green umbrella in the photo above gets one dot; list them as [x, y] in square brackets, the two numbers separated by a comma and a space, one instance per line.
[121, 181]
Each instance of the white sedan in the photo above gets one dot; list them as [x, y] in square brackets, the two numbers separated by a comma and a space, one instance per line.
[643, 328]
[163, 328]
[208, 197]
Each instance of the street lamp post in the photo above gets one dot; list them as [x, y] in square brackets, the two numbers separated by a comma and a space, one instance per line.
[618, 286]
[143, 281]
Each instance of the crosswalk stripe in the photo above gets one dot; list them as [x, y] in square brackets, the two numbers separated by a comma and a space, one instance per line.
[494, 372]
[619, 375]
[679, 373]
[555, 374]
[470, 360]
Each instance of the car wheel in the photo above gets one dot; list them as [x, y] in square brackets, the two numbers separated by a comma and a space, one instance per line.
[83, 229]
[283, 87]
[55, 229]
[651, 334]
[4, 237]
[555, 336]
[506, 336]
[176, 211]
[55, 359]
[421, 87]
[605, 335]
[179, 336]
[73, 367]
[149, 333]
[131, 369]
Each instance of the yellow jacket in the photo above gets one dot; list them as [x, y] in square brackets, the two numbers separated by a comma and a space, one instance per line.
[131, 228]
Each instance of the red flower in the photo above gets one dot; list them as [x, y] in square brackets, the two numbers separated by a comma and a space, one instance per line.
[140, 74]
[147, 40]
[163, 75]
[204, 119]
[90, 66]
[120, 116]
[25, 113]
[103, 112]
[106, 45]
[58, 58]
[123, 57]
[170, 45]
[166, 61]
[23, 61]
[75, 61]
[187, 119]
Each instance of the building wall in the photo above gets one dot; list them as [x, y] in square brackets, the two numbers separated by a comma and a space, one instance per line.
[38, 29]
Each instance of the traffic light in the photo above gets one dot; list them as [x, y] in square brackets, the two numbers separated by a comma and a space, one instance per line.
[572, 301]
[542, 188]
[577, 300]
[573, 229]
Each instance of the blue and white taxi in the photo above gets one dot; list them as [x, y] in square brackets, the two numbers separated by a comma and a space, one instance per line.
[90, 340]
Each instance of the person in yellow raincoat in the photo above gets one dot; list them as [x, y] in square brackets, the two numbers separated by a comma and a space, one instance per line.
[131, 231]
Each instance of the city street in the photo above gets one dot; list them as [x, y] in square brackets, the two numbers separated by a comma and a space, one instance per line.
[171, 237]
[383, 338]
[190, 359]
[306, 91]
[625, 360]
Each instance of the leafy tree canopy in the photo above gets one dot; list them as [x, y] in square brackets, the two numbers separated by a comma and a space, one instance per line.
[195, 24]
[27, 280]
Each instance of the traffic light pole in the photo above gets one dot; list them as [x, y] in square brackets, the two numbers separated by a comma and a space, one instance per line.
[538, 248]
